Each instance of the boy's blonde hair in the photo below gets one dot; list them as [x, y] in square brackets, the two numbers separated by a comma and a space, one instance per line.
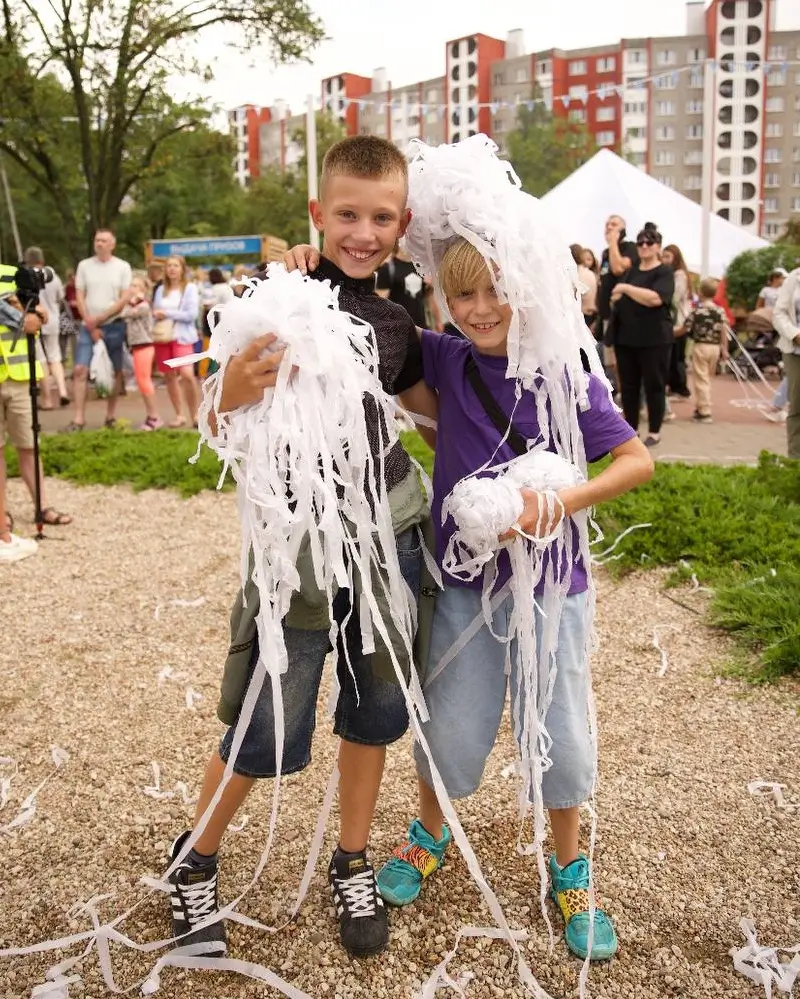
[147, 284]
[365, 156]
[462, 270]
[708, 287]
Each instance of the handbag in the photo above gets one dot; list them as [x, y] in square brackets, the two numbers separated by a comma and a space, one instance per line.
[163, 331]
[514, 439]
[66, 323]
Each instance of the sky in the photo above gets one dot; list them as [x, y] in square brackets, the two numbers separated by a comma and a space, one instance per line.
[408, 39]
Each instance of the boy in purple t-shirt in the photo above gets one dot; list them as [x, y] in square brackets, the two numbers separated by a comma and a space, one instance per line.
[466, 699]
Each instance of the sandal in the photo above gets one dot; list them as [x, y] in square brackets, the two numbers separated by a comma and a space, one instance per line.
[53, 518]
[74, 428]
[178, 421]
[110, 424]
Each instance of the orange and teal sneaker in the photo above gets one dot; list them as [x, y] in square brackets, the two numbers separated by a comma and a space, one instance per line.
[400, 879]
[569, 888]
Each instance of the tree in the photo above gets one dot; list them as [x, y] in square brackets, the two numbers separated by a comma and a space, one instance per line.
[277, 202]
[747, 274]
[544, 149]
[90, 76]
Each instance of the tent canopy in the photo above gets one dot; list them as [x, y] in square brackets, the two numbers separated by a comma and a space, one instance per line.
[607, 185]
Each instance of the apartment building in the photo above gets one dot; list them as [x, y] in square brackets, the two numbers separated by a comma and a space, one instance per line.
[642, 97]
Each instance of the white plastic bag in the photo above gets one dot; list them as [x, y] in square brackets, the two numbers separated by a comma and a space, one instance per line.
[101, 370]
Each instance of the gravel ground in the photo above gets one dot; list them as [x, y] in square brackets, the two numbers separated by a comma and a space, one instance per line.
[683, 850]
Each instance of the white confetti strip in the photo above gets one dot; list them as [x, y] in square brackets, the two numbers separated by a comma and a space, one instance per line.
[764, 965]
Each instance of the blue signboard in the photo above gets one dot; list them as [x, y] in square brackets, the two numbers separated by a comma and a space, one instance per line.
[214, 247]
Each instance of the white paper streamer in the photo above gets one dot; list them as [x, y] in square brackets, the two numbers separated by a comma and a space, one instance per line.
[659, 628]
[27, 809]
[769, 789]
[763, 965]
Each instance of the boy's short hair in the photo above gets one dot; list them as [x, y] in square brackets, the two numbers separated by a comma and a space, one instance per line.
[462, 269]
[366, 156]
[708, 287]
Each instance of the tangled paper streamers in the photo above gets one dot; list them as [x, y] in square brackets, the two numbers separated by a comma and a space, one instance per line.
[485, 508]
[464, 190]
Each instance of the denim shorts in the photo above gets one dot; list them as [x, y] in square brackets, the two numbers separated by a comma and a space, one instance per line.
[370, 711]
[467, 698]
[114, 338]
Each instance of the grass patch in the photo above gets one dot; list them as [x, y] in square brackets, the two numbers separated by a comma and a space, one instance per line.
[736, 528]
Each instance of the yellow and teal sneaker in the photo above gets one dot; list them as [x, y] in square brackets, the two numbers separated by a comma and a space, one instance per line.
[400, 879]
[569, 889]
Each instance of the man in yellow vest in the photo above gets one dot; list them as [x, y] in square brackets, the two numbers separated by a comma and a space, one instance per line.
[16, 411]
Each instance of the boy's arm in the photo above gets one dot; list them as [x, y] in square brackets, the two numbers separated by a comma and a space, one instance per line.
[631, 465]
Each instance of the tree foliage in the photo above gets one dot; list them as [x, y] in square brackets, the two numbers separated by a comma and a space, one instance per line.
[544, 149]
[747, 274]
[83, 89]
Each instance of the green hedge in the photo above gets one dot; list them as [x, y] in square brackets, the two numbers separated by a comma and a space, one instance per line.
[736, 528]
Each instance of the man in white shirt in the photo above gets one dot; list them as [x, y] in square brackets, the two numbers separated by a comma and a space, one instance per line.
[102, 283]
[786, 320]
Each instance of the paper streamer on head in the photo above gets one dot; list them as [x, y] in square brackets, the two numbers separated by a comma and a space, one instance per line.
[465, 191]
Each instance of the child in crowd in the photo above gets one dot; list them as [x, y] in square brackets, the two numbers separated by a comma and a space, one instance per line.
[361, 213]
[708, 328]
[138, 316]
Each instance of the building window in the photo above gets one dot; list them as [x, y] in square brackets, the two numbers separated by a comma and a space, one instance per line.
[521, 75]
[796, 180]
[777, 52]
[772, 155]
[579, 92]
[606, 65]
[796, 204]
[772, 180]
[777, 78]
[606, 138]
[693, 157]
[797, 79]
[694, 131]
[772, 229]
[696, 79]
[694, 107]
[606, 114]
[696, 55]
[774, 130]
[577, 68]
[666, 57]
[693, 182]
[665, 133]
[635, 55]
[665, 157]
[775, 104]
[666, 179]
[637, 133]
[498, 79]
[544, 67]
[796, 155]
[635, 107]
[638, 159]
[578, 114]
[770, 206]
[666, 82]
[665, 109]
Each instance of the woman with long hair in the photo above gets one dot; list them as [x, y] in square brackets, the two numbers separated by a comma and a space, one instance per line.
[642, 332]
[681, 310]
[176, 307]
[588, 259]
[589, 281]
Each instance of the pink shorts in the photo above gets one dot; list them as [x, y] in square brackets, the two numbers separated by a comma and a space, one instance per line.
[166, 351]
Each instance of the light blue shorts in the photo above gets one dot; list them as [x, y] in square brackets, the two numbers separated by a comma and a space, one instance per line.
[467, 698]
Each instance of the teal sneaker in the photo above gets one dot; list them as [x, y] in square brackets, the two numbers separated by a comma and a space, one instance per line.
[400, 879]
[569, 888]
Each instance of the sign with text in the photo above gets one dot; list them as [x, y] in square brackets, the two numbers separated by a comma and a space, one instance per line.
[214, 247]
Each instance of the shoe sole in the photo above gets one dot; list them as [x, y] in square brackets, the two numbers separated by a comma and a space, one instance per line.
[366, 951]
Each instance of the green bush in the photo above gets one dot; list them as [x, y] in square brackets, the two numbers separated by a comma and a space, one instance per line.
[747, 274]
[737, 529]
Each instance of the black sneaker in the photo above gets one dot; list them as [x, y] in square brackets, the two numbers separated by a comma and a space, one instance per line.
[194, 899]
[363, 925]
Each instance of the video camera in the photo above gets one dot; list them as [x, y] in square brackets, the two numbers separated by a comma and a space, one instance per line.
[30, 282]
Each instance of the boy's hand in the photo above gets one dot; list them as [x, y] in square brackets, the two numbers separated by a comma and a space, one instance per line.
[536, 520]
[303, 258]
[250, 373]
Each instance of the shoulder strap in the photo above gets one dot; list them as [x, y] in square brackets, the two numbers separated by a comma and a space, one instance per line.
[515, 440]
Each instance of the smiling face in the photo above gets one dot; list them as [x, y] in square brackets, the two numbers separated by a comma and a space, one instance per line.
[361, 220]
[472, 299]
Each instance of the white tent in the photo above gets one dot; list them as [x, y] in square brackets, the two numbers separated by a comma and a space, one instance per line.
[607, 185]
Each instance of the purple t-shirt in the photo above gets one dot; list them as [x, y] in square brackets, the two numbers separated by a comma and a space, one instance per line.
[466, 438]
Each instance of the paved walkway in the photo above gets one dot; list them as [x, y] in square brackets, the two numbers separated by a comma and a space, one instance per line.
[739, 433]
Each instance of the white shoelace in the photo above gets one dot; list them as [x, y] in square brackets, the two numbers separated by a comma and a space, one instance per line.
[359, 893]
[200, 899]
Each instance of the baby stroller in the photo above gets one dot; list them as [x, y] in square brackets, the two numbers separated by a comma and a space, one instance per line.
[759, 344]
